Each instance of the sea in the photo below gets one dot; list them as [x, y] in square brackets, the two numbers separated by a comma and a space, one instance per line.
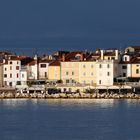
[69, 119]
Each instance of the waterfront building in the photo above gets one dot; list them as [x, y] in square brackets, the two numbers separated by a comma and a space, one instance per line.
[70, 67]
[32, 69]
[54, 70]
[125, 69]
[87, 72]
[43, 69]
[107, 67]
[11, 71]
[135, 70]
[1, 75]
[79, 68]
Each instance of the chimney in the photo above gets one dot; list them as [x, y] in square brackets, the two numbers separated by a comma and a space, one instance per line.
[102, 54]
[4, 61]
[63, 57]
[35, 57]
[116, 55]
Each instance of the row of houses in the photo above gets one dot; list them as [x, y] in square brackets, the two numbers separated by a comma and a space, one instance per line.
[102, 67]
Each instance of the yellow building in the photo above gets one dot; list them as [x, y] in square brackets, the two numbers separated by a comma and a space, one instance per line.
[54, 70]
[87, 72]
[135, 70]
[70, 72]
[83, 72]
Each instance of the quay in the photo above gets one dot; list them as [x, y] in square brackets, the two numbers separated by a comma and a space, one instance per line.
[73, 92]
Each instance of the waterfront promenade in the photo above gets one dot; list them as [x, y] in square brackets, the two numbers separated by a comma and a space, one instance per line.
[9, 95]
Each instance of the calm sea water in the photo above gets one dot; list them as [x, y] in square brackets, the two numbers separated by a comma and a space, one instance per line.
[62, 119]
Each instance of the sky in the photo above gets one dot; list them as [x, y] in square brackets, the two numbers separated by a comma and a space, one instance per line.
[50, 25]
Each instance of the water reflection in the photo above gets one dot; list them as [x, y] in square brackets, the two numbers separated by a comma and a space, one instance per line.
[133, 102]
[81, 102]
[102, 103]
[14, 103]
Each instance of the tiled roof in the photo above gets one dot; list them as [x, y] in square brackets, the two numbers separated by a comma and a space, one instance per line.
[45, 61]
[135, 60]
[32, 63]
[55, 63]
[109, 54]
[135, 47]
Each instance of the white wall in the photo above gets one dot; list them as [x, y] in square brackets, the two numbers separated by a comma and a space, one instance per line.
[33, 71]
[43, 70]
[127, 70]
[6, 70]
[102, 73]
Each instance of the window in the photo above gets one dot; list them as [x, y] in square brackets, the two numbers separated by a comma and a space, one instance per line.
[22, 75]
[10, 75]
[137, 65]
[91, 74]
[5, 82]
[100, 82]
[17, 62]
[67, 73]
[45, 74]
[124, 67]
[124, 74]
[17, 67]
[5, 75]
[5, 69]
[17, 75]
[125, 58]
[72, 73]
[10, 62]
[18, 82]
[91, 65]
[108, 66]
[10, 67]
[84, 74]
[100, 66]
[108, 73]
[43, 65]
[84, 66]
[67, 81]
[137, 71]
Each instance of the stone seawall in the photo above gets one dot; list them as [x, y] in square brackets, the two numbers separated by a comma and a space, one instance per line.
[8, 95]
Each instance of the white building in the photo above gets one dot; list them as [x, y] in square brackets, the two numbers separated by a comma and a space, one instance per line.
[32, 69]
[125, 69]
[11, 72]
[43, 69]
[106, 71]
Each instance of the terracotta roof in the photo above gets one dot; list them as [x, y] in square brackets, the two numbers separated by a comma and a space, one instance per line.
[32, 62]
[45, 61]
[109, 54]
[125, 62]
[93, 56]
[55, 63]
[135, 47]
[72, 55]
[135, 60]
[5, 53]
